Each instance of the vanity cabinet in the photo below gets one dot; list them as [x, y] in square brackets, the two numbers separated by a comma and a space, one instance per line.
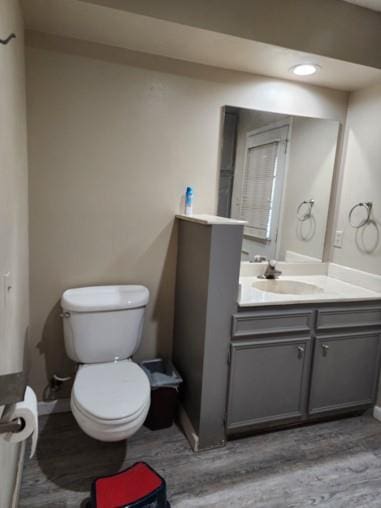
[345, 372]
[268, 380]
[258, 367]
[290, 365]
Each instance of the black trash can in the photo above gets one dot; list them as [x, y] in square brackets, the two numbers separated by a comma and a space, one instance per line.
[165, 382]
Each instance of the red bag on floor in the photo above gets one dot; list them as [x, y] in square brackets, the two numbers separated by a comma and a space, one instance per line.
[139, 486]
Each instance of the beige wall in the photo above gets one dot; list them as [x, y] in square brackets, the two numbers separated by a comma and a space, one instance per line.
[112, 147]
[322, 27]
[309, 176]
[13, 220]
[361, 182]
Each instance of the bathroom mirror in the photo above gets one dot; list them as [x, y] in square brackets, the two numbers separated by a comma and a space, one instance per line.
[276, 173]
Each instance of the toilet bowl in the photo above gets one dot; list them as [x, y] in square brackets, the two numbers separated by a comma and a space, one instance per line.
[110, 401]
[110, 397]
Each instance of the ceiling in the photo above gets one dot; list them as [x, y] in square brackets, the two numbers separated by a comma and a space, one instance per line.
[375, 5]
[123, 29]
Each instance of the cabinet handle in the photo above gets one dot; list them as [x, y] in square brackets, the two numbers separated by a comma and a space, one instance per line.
[325, 348]
[300, 351]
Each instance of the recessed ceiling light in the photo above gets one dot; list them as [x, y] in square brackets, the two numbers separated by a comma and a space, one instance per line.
[305, 69]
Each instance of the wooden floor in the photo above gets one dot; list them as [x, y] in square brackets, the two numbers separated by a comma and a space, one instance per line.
[335, 464]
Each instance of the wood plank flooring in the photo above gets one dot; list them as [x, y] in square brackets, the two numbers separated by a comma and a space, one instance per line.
[335, 464]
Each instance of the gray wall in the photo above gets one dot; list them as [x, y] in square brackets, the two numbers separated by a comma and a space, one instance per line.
[13, 220]
[208, 267]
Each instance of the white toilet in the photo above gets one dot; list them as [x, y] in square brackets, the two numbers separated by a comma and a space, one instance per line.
[102, 329]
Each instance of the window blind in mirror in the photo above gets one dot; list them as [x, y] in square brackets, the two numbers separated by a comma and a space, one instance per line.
[258, 189]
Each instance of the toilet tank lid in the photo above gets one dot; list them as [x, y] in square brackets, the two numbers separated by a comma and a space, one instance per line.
[101, 298]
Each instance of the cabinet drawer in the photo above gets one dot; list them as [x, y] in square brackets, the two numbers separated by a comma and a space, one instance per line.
[350, 317]
[272, 322]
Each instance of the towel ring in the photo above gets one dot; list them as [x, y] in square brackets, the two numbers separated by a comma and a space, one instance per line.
[368, 207]
[307, 203]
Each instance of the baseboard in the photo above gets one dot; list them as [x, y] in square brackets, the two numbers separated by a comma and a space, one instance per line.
[20, 467]
[377, 413]
[53, 406]
[188, 429]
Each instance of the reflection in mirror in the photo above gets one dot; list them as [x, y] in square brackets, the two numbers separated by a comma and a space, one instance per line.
[276, 173]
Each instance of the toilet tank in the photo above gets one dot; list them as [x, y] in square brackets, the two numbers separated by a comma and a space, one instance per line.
[103, 323]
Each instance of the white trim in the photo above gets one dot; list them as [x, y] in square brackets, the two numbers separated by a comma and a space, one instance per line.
[296, 257]
[54, 406]
[270, 127]
[209, 220]
[377, 413]
[20, 467]
[279, 237]
[187, 427]
[254, 269]
[356, 277]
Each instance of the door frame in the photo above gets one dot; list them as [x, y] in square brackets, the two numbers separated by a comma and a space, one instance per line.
[276, 224]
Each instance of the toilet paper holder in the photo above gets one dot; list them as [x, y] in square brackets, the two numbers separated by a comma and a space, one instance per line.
[12, 390]
[12, 426]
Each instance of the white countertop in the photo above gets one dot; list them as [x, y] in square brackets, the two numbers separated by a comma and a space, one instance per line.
[333, 290]
[209, 220]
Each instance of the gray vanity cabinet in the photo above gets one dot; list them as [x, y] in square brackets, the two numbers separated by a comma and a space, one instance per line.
[345, 372]
[268, 381]
[298, 363]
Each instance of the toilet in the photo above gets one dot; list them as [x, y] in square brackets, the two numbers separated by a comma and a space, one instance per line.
[103, 325]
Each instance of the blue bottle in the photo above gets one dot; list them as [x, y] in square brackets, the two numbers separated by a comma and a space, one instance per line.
[188, 201]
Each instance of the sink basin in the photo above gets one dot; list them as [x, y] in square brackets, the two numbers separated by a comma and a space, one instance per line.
[287, 287]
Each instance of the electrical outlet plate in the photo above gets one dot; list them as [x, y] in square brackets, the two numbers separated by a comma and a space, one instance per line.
[338, 242]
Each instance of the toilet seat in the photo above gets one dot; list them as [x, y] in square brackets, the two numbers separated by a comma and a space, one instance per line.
[110, 401]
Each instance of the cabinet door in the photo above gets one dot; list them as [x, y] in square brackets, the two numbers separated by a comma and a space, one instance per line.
[268, 381]
[345, 372]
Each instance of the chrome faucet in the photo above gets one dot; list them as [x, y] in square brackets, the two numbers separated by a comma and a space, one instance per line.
[259, 259]
[271, 272]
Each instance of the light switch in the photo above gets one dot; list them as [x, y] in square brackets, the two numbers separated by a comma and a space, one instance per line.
[338, 242]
